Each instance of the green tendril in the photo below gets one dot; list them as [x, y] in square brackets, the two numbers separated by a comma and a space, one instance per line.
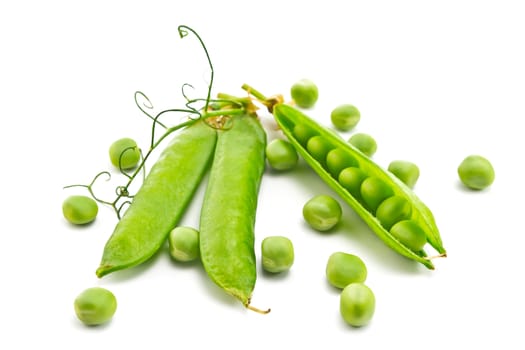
[146, 104]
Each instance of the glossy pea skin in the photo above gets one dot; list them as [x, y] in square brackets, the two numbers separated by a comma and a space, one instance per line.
[364, 142]
[405, 171]
[281, 155]
[124, 153]
[95, 306]
[322, 212]
[345, 117]
[337, 160]
[344, 268]
[374, 191]
[351, 179]
[303, 133]
[79, 210]
[305, 93]
[357, 304]
[392, 210]
[476, 172]
[184, 243]
[318, 147]
[410, 234]
[277, 254]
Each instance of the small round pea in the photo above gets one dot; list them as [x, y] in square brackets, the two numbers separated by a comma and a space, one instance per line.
[318, 147]
[345, 117]
[124, 153]
[476, 172]
[303, 133]
[281, 154]
[322, 212]
[277, 254]
[79, 210]
[95, 306]
[374, 191]
[351, 179]
[364, 142]
[410, 234]
[183, 243]
[343, 268]
[405, 171]
[392, 210]
[337, 160]
[357, 304]
[305, 93]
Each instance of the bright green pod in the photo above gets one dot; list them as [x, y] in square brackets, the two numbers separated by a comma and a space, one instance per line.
[227, 220]
[162, 199]
[337, 160]
[289, 117]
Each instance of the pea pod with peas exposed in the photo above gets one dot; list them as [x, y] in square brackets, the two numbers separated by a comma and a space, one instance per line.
[228, 211]
[366, 192]
[161, 200]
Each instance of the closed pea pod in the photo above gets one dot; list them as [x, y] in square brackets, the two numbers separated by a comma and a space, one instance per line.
[228, 211]
[161, 200]
[288, 118]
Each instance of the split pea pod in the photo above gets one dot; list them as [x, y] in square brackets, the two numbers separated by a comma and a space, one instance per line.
[366, 187]
[161, 200]
[229, 207]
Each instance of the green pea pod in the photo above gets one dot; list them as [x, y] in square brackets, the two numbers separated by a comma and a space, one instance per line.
[288, 117]
[161, 200]
[228, 211]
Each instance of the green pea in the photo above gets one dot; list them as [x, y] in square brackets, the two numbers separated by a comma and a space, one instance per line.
[364, 142]
[95, 306]
[184, 243]
[337, 160]
[410, 234]
[305, 93]
[351, 179]
[281, 155]
[124, 153]
[322, 212]
[345, 117]
[277, 254]
[303, 133]
[374, 191]
[343, 269]
[405, 171]
[318, 147]
[392, 210]
[357, 304]
[79, 210]
[476, 172]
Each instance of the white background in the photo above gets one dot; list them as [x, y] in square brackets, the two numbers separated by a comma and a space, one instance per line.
[435, 81]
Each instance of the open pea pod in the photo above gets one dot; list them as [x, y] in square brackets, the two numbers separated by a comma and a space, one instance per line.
[289, 117]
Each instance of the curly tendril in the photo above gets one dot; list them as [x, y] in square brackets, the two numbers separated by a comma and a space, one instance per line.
[146, 104]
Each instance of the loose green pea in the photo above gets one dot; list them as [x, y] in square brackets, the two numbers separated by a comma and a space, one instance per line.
[337, 160]
[476, 172]
[343, 269]
[281, 155]
[357, 304]
[345, 117]
[184, 243]
[305, 93]
[124, 153]
[322, 212]
[364, 142]
[277, 254]
[410, 234]
[351, 179]
[405, 171]
[374, 191]
[79, 210]
[303, 133]
[95, 306]
[392, 210]
[318, 147]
